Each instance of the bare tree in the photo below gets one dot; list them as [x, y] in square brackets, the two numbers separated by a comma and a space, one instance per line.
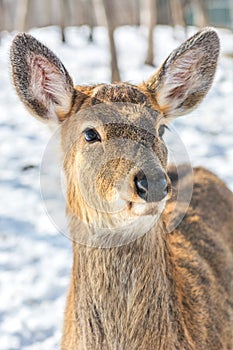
[91, 17]
[115, 74]
[177, 13]
[64, 16]
[200, 13]
[152, 7]
[22, 10]
[2, 21]
[2, 18]
[137, 12]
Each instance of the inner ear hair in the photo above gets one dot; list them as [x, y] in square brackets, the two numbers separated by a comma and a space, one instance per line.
[185, 77]
[41, 80]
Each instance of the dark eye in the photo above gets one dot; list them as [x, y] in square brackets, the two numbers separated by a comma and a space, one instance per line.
[91, 135]
[162, 129]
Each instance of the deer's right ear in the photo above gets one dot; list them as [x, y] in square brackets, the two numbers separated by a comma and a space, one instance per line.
[40, 79]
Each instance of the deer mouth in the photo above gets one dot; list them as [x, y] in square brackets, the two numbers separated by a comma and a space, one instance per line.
[146, 209]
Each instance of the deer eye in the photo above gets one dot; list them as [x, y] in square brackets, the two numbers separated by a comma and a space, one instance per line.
[91, 135]
[162, 129]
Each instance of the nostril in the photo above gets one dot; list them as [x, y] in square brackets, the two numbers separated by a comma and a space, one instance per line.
[151, 190]
[164, 186]
[141, 185]
[160, 189]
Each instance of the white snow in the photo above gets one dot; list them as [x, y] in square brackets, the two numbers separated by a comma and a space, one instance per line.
[35, 260]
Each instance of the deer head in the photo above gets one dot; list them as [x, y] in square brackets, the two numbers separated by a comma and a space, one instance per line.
[115, 157]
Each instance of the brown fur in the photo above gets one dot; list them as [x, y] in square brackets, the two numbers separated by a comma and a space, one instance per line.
[162, 290]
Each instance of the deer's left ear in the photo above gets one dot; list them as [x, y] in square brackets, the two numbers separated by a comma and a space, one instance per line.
[187, 74]
[40, 79]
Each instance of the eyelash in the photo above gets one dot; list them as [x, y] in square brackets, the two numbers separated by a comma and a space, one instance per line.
[93, 135]
[164, 127]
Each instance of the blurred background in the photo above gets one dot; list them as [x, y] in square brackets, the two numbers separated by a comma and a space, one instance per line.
[21, 15]
[98, 41]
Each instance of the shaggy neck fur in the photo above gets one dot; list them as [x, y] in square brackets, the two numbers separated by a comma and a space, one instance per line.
[123, 295]
[164, 291]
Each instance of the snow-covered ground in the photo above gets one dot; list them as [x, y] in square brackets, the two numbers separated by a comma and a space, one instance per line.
[35, 259]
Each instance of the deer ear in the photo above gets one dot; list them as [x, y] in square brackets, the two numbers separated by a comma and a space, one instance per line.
[40, 79]
[187, 74]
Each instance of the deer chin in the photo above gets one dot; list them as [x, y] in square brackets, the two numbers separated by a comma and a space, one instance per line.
[146, 209]
[108, 230]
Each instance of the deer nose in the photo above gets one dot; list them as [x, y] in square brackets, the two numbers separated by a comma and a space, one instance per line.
[151, 190]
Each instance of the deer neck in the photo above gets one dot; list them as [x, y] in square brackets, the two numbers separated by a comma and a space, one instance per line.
[121, 292]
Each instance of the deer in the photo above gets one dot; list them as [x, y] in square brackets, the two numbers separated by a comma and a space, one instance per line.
[136, 284]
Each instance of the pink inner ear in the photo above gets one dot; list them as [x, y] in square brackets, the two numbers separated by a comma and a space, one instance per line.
[182, 77]
[44, 80]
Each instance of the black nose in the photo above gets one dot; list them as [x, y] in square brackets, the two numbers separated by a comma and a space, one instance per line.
[151, 190]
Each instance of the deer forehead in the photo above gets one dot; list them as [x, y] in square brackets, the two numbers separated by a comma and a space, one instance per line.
[118, 110]
[119, 92]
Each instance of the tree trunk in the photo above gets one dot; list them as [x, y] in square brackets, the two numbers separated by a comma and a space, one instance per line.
[177, 13]
[21, 15]
[115, 74]
[91, 17]
[153, 20]
[137, 10]
[64, 16]
[2, 17]
[200, 13]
